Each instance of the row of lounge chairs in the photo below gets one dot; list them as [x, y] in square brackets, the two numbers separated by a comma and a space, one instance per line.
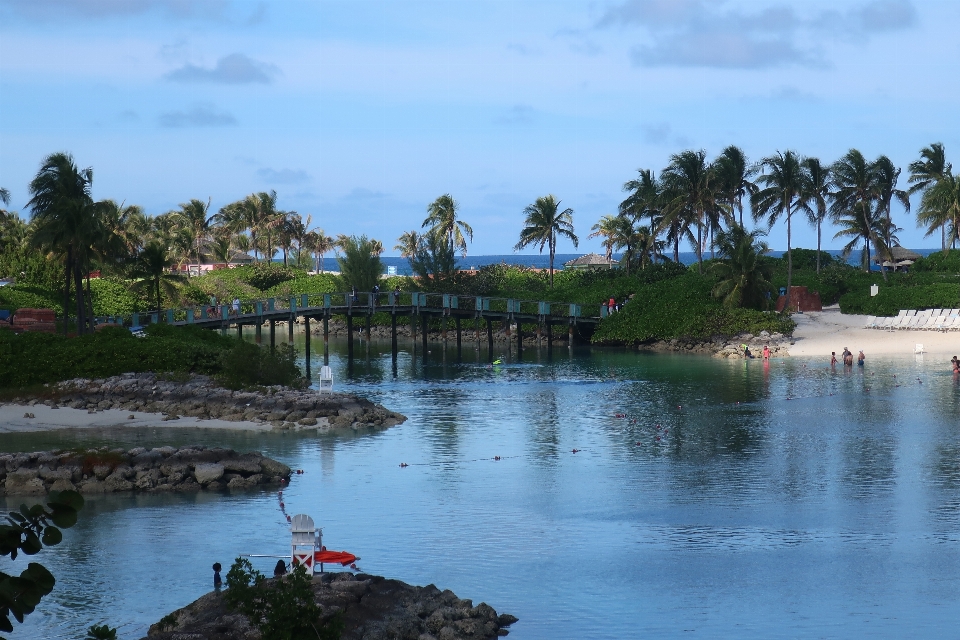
[926, 320]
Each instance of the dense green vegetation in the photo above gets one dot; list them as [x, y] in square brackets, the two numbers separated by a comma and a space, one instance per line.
[30, 359]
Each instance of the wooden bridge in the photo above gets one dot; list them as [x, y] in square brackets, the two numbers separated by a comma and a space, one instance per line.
[417, 308]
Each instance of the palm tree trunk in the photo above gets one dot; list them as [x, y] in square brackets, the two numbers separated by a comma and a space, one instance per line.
[818, 246]
[551, 260]
[676, 249]
[66, 290]
[786, 306]
[90, 304]
[700, 245]
[78, 285]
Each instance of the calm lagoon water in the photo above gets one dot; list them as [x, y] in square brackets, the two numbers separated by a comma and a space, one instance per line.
[782, 500]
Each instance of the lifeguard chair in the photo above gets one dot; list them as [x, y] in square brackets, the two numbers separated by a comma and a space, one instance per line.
[305, 541]
[326, 379]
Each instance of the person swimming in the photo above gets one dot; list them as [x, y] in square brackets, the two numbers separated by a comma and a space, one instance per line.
[833, 358]
[860, 358]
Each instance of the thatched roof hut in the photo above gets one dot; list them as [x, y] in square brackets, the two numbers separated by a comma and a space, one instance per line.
[901, 258]
[590, 261]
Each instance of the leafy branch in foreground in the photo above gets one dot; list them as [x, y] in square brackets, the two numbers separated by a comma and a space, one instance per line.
[29, 531]
[282, 609]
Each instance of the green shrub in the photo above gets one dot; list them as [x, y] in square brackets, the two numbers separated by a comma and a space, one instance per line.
[247, 365]
[281, 609]
[264, 275]
[942, 261]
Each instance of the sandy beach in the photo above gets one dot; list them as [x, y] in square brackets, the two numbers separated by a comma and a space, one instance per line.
[819, 333]
[49, 419]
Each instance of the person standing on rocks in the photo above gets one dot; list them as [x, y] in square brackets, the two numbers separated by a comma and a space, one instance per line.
[217, 580]
[280, 570]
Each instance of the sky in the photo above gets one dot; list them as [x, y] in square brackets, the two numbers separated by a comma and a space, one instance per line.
[361, 113]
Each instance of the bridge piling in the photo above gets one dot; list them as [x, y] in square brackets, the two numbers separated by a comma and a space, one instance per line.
[489, 340]
[423, 334]
[519, 340]
[258, 328]
[239, 330]
[326, 337]
[273, 335]
[293, 318]
[549, 337]
[393, 335]
[459, 345]
[350, 336]
[306, 343]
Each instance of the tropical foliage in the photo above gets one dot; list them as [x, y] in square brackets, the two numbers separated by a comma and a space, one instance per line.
[544, 223]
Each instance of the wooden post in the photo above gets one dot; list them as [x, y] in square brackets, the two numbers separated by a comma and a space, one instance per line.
[350, 335]
[570, 335]
[443, 329]
[326, 337]
[368, 327]
[519, 339]
[423, 332]
[240, 331]
[273, 334]
[489, 339]
[306, 342]
[393, 334]
[459, 345]
[549, 337]
[259, 330]
[293, 318]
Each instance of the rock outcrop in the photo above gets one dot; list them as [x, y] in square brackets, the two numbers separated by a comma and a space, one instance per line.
[372, 608]
[200, 397]
[104, 470]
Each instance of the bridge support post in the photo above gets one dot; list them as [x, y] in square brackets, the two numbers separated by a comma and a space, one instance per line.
[350, 336]
[293, 319]
[240, 331]
[424, 328]
[539, 334]
[549, 337]
[393, 334]
[273, 335]
[570, 336]
[459, 345]
[259, 330]
[443, 330]
[326, 337]
[306, 343]
[413, 329]
[519, 339]
[369, 315]
[489, 339]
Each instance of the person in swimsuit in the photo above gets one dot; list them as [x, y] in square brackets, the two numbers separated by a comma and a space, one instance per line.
[833, 358]
[860, 358]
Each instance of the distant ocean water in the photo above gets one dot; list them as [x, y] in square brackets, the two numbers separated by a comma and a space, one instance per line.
[543, 261]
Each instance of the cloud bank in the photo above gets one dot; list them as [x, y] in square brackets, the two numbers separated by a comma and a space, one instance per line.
[235, 68]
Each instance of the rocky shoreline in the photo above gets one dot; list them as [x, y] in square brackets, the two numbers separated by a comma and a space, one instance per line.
[161, 469]
[372, 607]
[199, 397]
[729, 348]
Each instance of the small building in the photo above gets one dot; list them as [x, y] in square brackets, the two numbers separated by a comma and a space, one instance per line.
[208, 263]
[902, 258]
[591, 262]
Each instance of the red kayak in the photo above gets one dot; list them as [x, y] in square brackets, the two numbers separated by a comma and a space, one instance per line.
[334, 557]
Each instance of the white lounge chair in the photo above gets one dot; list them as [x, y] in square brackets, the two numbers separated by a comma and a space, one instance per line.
[911, 322]
[326, 379]
[886, 323]
[871, 322]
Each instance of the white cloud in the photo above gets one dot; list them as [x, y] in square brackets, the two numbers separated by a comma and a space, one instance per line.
[235, 68]
[201, 115]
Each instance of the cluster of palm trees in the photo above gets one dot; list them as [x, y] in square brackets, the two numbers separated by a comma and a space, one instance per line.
[694, 199]
[83, 234]
[442, 223]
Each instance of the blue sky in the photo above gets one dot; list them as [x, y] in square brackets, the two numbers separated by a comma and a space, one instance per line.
[361, 113]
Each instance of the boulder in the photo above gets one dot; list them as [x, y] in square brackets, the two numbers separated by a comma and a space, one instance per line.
[207, 472]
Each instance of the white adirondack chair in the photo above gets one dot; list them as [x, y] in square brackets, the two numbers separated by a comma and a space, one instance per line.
[919, 348]
[326, 379]
[305, 541]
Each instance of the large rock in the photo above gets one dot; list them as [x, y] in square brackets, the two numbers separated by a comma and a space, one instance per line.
[207, 472]
[24, 482]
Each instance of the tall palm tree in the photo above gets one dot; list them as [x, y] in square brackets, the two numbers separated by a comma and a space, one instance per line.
[885, 177]
[781, 186]
[64, 221]
[442, 220]
[744, 279]
[692, 185]
[815, 195]
[607, 228]
[408, 244]
[861, 222]
[193, 215]
[644, 198]
[927, 172]
[940, 208]
[856, 190]
[5, 199]
[544, 223]
[733, 175]
[322, 244]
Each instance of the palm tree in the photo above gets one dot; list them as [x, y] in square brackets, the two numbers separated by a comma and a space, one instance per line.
[861, 221]
[408, 244]
[543, 224]
[193, 215]
[744, 278]
[940, 208]
[927, 172]
[856, 189]
[64, 221]
[733, 174]
[221, 248]
[885, 177]
[607, 228]
[814, 195]
[442, 220]
[644, 198]
[782, 183]
[5, 199]
[321, 245]
[152, 267]
[690, 183]
[645, 246]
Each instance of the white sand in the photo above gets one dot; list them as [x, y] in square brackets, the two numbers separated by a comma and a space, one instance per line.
[49, 419]
[819, 333]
